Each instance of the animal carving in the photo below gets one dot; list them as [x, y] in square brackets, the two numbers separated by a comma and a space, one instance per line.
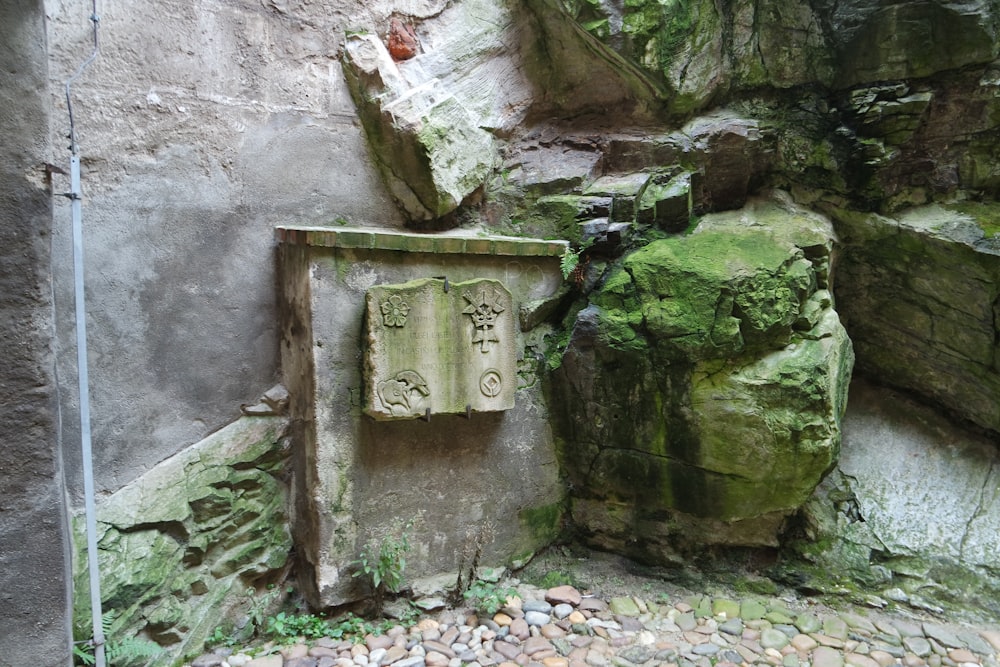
[401, 392]
[394, 396]
[413, 382]
[402, 41]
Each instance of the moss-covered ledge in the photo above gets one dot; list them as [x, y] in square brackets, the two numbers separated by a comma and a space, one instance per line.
[444, 243]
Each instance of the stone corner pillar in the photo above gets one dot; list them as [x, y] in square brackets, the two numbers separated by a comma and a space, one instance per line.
[34, 537]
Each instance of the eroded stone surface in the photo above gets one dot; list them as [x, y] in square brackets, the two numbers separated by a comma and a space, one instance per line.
[893, 516]
[921, 299]
[428, 144]
[178, 545]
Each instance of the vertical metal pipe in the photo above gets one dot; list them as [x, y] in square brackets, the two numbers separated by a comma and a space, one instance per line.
[90, 509]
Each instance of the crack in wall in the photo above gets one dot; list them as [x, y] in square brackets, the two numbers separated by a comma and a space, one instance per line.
[981, 510]
[666, 457]
[757, 46]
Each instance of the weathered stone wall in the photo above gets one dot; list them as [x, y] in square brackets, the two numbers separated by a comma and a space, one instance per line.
[34, 562]
[921, 300]
[201, 126]
[912, 513]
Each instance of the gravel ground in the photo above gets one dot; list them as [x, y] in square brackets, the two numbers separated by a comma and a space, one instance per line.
[586, 609]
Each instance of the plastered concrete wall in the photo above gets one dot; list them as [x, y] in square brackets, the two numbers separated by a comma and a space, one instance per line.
[202, 124]
[34, 596]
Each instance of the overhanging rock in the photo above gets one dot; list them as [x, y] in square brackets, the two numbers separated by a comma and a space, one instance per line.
[430, 148]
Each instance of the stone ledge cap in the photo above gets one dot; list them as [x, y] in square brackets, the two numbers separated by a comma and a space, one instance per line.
[367, 239]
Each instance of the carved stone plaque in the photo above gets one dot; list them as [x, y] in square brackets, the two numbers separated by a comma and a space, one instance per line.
[439, 348]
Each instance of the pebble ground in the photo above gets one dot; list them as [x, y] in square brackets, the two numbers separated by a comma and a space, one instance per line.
[562, 627]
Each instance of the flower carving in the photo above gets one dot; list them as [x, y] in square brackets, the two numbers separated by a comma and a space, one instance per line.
[394, 311]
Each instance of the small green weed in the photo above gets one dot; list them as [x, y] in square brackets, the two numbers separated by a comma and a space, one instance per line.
[221, 637]
[488, 597]
[384, 567]
[258, 605]
[409, 616]
[284, 626]
[555, 578]
[354, 628]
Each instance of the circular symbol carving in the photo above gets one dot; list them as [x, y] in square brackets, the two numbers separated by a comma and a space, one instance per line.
[490, 383]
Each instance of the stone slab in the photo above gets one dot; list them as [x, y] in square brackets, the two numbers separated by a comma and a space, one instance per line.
[435, 348]
[439, 244]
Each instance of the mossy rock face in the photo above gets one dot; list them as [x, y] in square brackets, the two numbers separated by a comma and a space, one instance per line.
[710, 295]
[544, 523]
[779, 44]
[700, 50]
[912, 40]
[668, 205]
[180, 544]
[559, 216]
[673, 46]
[705, 383]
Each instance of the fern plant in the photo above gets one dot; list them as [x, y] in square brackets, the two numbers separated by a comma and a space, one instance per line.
[119, 652]
[568, 262]
[572, 262]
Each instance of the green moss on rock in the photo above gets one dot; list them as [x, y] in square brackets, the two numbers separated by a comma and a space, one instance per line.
[985, 214]
[544, 523]
[708, 295]
[177, 545]
[556, 216]
[707, 380]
